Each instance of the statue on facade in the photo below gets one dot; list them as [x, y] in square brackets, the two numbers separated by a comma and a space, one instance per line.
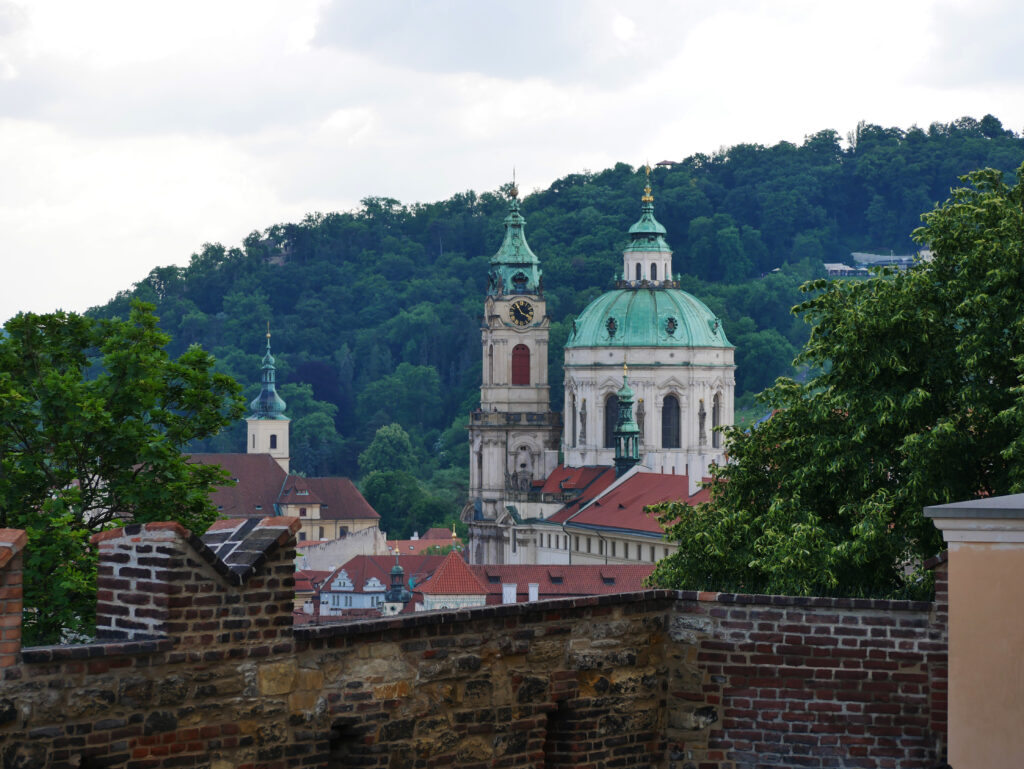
[641, 415]
[702, 416]
[583, 423]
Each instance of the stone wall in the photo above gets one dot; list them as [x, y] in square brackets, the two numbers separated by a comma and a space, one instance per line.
[209, 673]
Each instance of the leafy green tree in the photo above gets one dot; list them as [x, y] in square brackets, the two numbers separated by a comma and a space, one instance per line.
[919, 401]
[94, 415]
[389, 450]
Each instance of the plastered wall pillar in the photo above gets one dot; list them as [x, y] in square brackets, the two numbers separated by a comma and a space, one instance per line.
[985, 540]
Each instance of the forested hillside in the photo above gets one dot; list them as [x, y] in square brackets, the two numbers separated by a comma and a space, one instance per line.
[375, 312]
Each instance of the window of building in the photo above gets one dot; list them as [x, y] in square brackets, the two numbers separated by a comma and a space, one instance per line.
[652, 553]
[670, 422]
[520, 365]
[273, 441]
[588, 544]
[321, 532]
[638, 272]
[613, 549]
[254, 440]
[654, 272]
[600, 547]
[577, 544]
[302, 511]
[490, 364]
[302, 536]
[611, 416]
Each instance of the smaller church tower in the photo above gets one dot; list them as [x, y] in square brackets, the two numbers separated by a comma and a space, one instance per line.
[627, 432]
[268, 427]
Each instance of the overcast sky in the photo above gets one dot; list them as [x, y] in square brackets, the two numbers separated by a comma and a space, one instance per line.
[133, 132]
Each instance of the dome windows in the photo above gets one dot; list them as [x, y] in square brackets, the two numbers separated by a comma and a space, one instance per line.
[612, 326]
[670, 422]
[671, 324]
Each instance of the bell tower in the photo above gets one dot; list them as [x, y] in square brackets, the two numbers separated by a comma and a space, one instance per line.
[267, 431]
[514, 435]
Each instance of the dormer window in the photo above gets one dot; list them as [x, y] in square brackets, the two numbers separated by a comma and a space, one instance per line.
[302, 492]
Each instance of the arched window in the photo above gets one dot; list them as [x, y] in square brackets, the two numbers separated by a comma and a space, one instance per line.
[273, 441]
[611, 416]
[638, 272]
[520, 365]
[670, 422]
[654, 272]
[572, 428]
[716, 420]
[490, 364]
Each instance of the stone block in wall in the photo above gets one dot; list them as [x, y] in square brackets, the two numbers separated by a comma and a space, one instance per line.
[235, 584]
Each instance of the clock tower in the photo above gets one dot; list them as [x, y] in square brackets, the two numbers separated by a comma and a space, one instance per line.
[514, 435]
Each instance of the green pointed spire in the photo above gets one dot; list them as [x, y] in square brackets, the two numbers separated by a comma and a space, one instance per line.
[268, 404]
[515, 269]
[627, 432]
[648, 234]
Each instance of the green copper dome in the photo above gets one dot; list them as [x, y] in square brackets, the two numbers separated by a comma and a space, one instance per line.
[515, 269]
[268, 404]
[647, 317]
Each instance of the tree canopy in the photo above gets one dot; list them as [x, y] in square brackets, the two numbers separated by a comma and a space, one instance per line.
[94, 416]
[918, 399]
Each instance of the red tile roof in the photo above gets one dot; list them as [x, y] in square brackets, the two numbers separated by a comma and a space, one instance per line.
[453, 577]
[308, 580]
[562, 581]
[623, 506]
[259, 479]
[362, 568]
[262, 482]
[341, 499]
[591, 480]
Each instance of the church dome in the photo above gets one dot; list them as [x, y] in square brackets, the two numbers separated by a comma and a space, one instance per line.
[647, 317]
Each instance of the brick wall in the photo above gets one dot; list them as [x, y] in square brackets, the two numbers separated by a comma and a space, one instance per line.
[810, 682]
[12, 542]
[211, 674]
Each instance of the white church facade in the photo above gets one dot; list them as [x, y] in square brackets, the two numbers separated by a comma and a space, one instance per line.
[537, 478]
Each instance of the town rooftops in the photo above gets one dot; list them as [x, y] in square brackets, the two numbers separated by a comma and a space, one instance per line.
[452, 577]
[622, 507]
[261, 485]
[561, 581]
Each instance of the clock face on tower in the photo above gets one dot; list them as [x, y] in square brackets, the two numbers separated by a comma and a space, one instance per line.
[521, 312]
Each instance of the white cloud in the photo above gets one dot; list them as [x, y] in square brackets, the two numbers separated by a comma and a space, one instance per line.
[131, 133]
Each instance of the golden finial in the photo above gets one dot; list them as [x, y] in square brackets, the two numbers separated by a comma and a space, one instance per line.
[625, 370]
[268, 329]
[648, 197]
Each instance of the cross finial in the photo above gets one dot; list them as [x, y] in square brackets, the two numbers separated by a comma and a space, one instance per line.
[514, 190]
[648, 197]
